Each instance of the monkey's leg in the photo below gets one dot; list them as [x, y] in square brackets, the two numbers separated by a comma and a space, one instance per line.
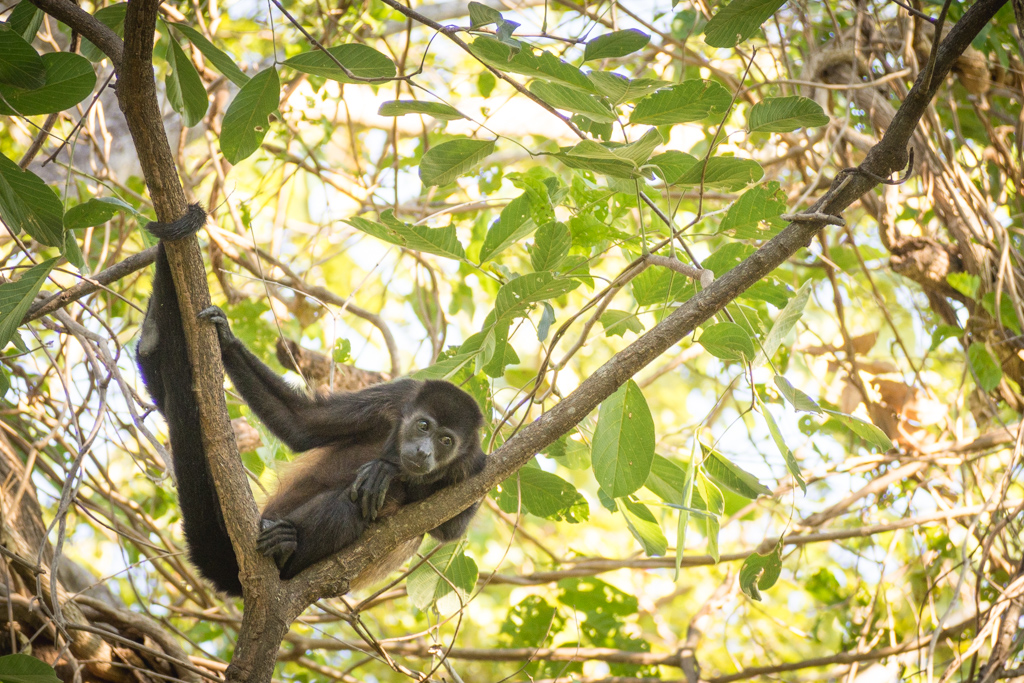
[322, 526]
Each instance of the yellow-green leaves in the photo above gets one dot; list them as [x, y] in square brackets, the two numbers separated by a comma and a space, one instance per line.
[785, 114]
[623, 442]
[247, 119]
[444, 163]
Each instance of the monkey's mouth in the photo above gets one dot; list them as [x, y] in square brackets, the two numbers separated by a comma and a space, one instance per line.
[415, 466]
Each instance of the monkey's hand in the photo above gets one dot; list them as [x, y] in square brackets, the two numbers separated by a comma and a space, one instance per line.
[216, 316]
[371, 486]
[278, 539]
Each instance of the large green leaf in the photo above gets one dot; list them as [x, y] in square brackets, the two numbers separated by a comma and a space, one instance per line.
[728, 173]
[515, 297]
[616, 44]
[438, 110]
[362, 61]
[111, 16]
[733, 477]
[69, 80]
[26, 203]
[760, 572]
[986, 369]
[692, 100]
[247, 119]
[623, 442]
[569, 99]
[20, 65]
[551, 245]
[738, 21]
[96, 211]
[785, 114]
[496, 54]
[643, 526]
[865, 430]
[796, 398]
[19, 668]
[219, 59]
[623, 161]
[185, 89]
[514, 223]
[727, 341]
[773, 428]
[449, 573]
[757, 204]
[439, 241]
[444, 163]
[672, 165]
[784, 323]
[620, 89]
[543, 494]
[26, 19]
[16, 298]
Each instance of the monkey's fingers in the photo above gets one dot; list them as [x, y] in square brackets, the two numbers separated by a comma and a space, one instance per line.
[216, 316]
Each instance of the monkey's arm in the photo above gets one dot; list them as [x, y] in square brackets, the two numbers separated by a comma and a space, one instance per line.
[299, 421]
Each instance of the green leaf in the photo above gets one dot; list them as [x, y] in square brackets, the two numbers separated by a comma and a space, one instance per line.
[791, 464]
[865, 430]
[965, 283]
[616, 44]
[727, 341]
[728, 173]
[69, 80]
[617, 323]
[760, 572]
[438, 110]
[691, 100]
[16, 298]
[986, 369]
[543, 494]
[942, 333]
[247, 119]
[481, 15]
[448, 572]
[639, 151]
[514, 223]
[26, 203]
[784, 323]
[362, 61]
[569, 99]
[757, 204]
[796, 398]
[20, 64]
[214, 55]
[438, 241]
[444, 163]
[623, 441]
[26, 20]
[738, 21]
[643, 526]
[25, 669]
[673, 165]
[515, 297]
[732, 476]
[185, 90]
[785, 114]
[716, 507]
[546, 66]
[551, 245]
[668, 480]
[592, 156]
[111, 16]
[661, 285]
[96, 211]
[620, 89]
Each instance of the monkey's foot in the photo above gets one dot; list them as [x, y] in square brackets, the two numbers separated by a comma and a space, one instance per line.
[278, 538]
[216, 316]
[371, 486]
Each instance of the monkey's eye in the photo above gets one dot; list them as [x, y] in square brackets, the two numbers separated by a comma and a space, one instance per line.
[447, 440]
[423, 425]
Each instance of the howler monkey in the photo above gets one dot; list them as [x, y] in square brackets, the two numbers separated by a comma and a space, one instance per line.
[369, 451]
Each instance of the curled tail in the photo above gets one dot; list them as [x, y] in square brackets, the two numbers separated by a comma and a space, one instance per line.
[163, 359]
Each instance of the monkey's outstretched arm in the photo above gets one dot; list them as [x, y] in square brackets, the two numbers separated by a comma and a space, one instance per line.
[299, 421]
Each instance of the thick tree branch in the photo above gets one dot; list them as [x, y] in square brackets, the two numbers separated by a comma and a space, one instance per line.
[887, 157]
[86, 24]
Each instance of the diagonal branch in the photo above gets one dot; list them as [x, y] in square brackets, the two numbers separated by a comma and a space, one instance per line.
[887, 157]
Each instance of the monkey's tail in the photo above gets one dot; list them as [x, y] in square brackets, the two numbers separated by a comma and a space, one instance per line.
[163, 359]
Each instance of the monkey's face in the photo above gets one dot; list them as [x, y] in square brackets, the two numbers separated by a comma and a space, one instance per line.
[426, 445]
